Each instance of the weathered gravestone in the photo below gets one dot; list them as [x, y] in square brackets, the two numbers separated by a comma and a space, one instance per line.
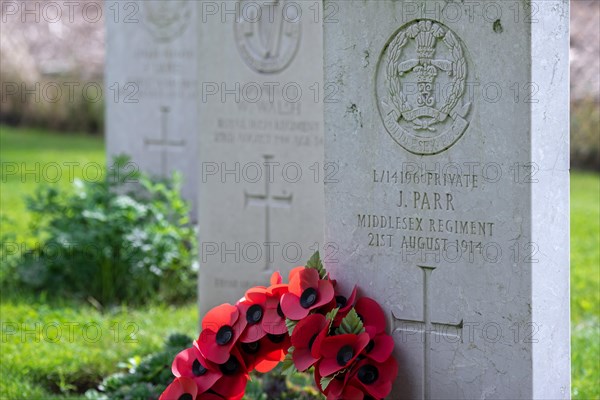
[151, 87]
[452, 207]
[261, 148]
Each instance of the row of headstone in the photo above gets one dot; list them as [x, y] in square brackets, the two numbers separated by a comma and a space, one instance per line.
[228, 94]
[445, 165]
[151, 86]
[261, 200]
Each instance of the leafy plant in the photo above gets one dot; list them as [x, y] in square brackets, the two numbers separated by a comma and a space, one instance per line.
[146, 378]
[142, 378]
[123, 238]
[297, 386]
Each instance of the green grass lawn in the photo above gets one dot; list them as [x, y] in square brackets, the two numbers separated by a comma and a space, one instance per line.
[585, 285]
[51, 349]
[32, 157]
[34, 364]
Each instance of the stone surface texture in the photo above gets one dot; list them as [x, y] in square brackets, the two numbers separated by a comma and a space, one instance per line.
[451, 206]
[151, 82]
[260, 172]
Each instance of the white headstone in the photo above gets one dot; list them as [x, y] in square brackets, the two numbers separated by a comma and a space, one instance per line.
[261, 148]
[151, 87]
[452, 206]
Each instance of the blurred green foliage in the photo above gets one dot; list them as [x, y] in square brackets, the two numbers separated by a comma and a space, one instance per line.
[585, 134]
[142, 378]
[66, 103]
[125, 238]
[147, 378]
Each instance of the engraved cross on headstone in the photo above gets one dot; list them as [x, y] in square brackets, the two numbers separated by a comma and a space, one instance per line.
[164, 144]
[267, 201]
[426, 327]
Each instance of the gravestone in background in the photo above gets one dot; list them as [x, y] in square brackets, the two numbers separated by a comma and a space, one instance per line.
[261, 148]
[151, 87]
[451, 207]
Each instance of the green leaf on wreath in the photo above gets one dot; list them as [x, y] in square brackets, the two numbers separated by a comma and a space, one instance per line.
[331, 316]
[326, 380]
[290, 324]
[315, 263]
[351, 324]
[287, 365]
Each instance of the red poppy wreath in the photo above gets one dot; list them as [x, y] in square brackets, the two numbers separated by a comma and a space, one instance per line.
[304, 325]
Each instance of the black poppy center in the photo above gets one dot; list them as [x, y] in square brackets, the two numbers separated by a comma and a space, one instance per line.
[230, 367]
[341, 301]
[308, 298]
[370, 346]
[276, 338]
[368, 374]
[312, 341]
[224, 335]
[279, 310]
[345, 354]
[251, 348]
[186, 396]
[198, 369]
[254, 314]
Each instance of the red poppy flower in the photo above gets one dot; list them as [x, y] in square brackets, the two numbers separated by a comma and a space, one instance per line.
[263, 310]
[232, 383]
[306, 292]
[221, 328]
[371, 314]
[274, 319]
[306, 338]
[340, 351]
[276, 278]
[181, 389]
[372, 378]
[253, 310]
[210, 396]
[255, 294]
[344, 304]
[190, 363]
[339, 389]
[366, 379]
[318, 379]
[264, 354]
[380, 346]
[295, 271]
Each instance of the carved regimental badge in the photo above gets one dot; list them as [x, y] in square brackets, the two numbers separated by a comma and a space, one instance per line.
[165, 19]
[421, 79]
[268, 34]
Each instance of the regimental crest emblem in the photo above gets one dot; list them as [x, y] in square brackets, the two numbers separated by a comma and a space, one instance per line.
[268, 35]
[420, 87]
[165, 19]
